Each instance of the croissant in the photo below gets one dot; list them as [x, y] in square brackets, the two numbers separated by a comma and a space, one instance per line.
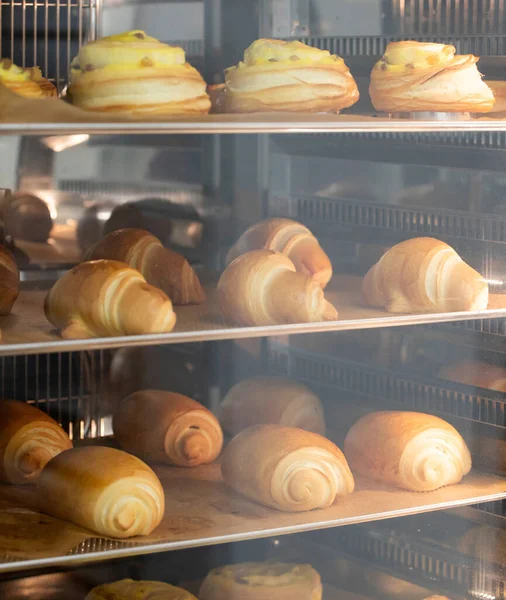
[135, 74]
[275, 400]
[107, 298]
[9, 281]
[103, 489]
[289, 76]
[262, 581]
[128, 589]
[29, 438]
[424, 275]
[422, 76]
[286, 468]
[166, 427]
[415, 451]
[163, 268]
[477, 374]
[263, 288]
[291, 239]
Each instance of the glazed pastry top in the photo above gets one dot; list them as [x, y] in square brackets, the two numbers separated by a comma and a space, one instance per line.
[414, 55]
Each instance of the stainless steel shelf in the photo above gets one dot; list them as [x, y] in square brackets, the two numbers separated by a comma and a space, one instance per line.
[201, 511]
[26, 330]
[233, 124]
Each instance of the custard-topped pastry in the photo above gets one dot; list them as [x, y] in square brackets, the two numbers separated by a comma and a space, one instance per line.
[136, 74]
[26, 82]
[276, 75]
[422, 76]
[262, 581]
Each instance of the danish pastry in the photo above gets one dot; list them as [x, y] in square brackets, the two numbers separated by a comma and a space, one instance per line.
[128, 589]
[135, 74]
[27, 82]
[423, 76]
[288, 76]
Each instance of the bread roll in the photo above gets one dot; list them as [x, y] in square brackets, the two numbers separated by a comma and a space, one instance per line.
[128, 589]
[162, 267]
[9, 281]
[29, 438]
[263, 288]
[262, 581]
[424, 275]
[477, 374]
[132, 73]
[287, 76]
[166, 427]
[291, 239]
[27, 82]
[276, 400]
[107, 298]
[103, 489]
[26, 217]
[423, 76]
[286, 468]
[414, 451]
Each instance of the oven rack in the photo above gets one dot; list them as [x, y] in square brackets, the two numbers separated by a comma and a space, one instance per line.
[407, 390]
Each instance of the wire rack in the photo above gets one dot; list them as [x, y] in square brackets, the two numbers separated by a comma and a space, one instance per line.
[48, 33]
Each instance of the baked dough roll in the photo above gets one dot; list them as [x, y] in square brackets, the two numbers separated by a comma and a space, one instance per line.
[277, 75]
[135, 74]
[29, 438]
[424, 275]
[275, 400]
[262, 581]
[162, 267]
[286, 468]
[477, 374]
[166, 427]
[263, 288]
[27, 82]
[415, 451]
[107, 298]
[291, 239]
[128, 589]
[9, 281]
[422, 76]
[103, 489]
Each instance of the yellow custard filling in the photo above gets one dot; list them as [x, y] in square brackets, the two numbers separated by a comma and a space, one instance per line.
[11, 72]
[129, 50]
[414, 55]
[271, 52]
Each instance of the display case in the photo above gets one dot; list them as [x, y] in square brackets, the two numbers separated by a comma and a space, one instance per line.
[253, 348]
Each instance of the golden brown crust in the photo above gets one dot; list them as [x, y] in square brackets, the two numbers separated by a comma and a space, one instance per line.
[103, 489]
[415, 451]
[424, 275]
[29, 439]
[80, 303]
[263, 288]
[286, 468]
[166, 427]
[276, 400]
[262, 581]
[161, 267]
[290, 238]
[9, 281]
[439, 81]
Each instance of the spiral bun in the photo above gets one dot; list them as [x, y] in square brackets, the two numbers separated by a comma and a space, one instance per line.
[103, 489]
[166, 427]
[414, 451]
[286, 468]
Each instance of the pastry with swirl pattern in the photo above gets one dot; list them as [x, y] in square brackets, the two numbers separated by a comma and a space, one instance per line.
[134, 74]
[166, 427]
[286, 468]
[103, 489]
[422, 76]
[29, 439]
[414, 451]
[286, 76]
